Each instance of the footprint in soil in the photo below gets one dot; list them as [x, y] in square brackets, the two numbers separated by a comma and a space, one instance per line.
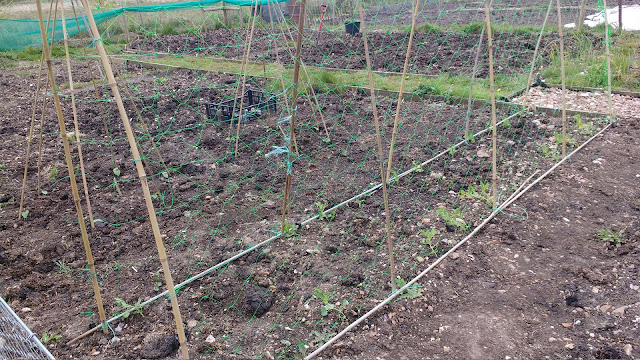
[258, 300]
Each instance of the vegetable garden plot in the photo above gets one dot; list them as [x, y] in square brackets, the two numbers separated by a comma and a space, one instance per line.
[212, 205]
[258, 280]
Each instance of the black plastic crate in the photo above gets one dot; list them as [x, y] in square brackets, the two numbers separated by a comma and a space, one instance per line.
[254, 105]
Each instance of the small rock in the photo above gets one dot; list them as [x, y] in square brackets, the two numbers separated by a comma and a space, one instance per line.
[210, 339]
[446, 349]
[569, 346]
[605, 308]
[94, 352]
[483, 153]
[118, 328]
[552, 339]
[628, 349]
[455, 255]
[567, 324]
[192, 323]
[25, 309]
[619, 311]
[420, 259]
[536, 122]
[595, 290]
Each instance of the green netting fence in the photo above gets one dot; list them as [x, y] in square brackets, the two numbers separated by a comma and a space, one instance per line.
[21, 34]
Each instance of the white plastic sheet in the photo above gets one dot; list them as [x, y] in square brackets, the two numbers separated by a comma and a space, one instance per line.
[630, 18]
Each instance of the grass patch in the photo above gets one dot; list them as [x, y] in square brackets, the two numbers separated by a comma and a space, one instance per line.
[324, 80]
[586, 65]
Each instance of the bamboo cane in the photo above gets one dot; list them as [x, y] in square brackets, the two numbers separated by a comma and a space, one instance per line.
[608, 54]
[473, 77]
[564, 85]
[143, 183]
[385, 195]
[75, 116]
[244, 83]
[69, 161]
[294, 112]
[401, 90]
[494, 167]
[306, 72]
[44, 103]
[31, 126]
[535, 55]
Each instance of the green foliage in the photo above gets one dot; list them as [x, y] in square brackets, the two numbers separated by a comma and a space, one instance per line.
[289, 230]
[25, 214]
[53, 173]
[616, 238]
[327, 306]
[428, 89]
[418, 166]
[453, 218]
[412, 292]
[558, 136]
[597, 74]
[550, 151]
[469, 136]
[429, 28]
[116, 171]
[328, 77]
[324, 296]
[428, 240]
[585, 128]
[482, 192]
[128, 309]
[474, 27]
[63, 268]
[47, 338]
[321, 214]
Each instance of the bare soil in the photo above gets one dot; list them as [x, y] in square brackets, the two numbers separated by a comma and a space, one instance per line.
[432, 53]
[211, 205]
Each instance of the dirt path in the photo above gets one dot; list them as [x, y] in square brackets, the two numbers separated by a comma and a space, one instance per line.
[546, 287]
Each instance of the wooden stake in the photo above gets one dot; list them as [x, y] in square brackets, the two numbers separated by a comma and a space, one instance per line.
[75, 117]
[535, 55]
[294, 112]
[244, 82]
[400, 92]
[72, 177]
[385, 195]
[564, 87]
[492, 91]
[473, 77]
[608, 54]
[143, 183]
[36, 94]
[619, 16]
[583, 4]
[44, 103]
